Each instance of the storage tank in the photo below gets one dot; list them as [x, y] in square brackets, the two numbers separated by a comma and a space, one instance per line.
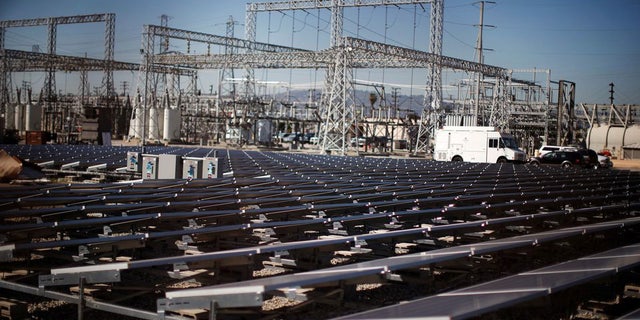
[160, 123]
[172, 121]
[153, 123]
[19, 117]
[135, 124]
[264, 131]
[33, 117]
[9, 116]
[612, 138]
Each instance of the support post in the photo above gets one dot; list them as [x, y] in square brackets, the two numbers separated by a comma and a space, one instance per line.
[81, 299]
[212, 310]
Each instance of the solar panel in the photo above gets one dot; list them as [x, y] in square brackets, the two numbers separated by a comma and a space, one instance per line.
[631, 315]
[479, 299]
[299, 210]
[385, 265]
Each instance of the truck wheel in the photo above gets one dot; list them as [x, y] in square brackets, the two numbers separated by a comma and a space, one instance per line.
[457, 159]
[502, 160]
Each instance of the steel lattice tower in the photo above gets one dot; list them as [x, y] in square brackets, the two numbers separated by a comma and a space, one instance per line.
[433, 96]
[336, 112]
[228, 89]
[52, 23]
[109, 43]
[250, 35]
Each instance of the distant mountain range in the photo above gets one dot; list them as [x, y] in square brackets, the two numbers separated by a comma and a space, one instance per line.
[362, 98]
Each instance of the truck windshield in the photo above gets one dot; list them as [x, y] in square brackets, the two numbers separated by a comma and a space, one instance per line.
[508, 143]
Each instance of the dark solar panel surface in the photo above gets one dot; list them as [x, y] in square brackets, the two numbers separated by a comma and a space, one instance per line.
[292, 205]
[479, 299]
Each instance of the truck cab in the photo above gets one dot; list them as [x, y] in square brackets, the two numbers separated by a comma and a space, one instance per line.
[476, 144]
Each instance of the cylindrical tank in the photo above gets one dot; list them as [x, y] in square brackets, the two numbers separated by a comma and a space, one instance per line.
[172, 121]
[612, 138]
[264, 131]
[10, 116]
[153, 123]
[19, 117]
[33, 117]
[135, 124]
[160, 123]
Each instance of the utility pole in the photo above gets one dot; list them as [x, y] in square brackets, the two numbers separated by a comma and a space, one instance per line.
[394, 98]
[125, 87]
[611, 85]
[479, 53]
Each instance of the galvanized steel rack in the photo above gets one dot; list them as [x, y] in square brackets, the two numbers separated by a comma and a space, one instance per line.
[328, 222]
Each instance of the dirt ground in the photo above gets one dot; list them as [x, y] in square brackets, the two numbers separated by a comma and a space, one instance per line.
[633, 165]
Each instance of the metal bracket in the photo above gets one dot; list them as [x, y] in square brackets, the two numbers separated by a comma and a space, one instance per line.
[193, 225]
[6, 252]
[98, 276]
[82, 250]
[252, 297]
[184, 243]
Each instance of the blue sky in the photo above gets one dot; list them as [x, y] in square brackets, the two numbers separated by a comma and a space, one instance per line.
[589, 42]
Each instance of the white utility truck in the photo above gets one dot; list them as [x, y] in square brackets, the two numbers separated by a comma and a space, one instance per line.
[476, 144]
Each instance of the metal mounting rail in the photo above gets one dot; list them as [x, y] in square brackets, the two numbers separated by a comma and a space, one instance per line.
[436, 212]
[510, 290]
[631, 315]
[87, 303]
[110, 272]
[251, 292]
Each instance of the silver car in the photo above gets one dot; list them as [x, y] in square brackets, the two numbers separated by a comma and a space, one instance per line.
[604, 162]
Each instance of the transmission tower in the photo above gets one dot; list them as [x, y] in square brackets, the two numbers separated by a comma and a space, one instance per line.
[52, 63]
[431, 111]
[337, 113]
[566, 131]
[227, 87]
[109, 43]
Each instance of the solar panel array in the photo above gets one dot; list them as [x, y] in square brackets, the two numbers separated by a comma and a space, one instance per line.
[325, 221]
[82, 156]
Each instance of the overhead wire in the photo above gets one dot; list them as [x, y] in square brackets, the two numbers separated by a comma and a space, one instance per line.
[293, 32]
[266, 70]
[315, 72]
[281, 19]
[413, 46]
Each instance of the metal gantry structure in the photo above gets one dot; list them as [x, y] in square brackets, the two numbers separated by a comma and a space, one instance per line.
[52, 25]
[336, 110]
[58, 112]
[343, 55]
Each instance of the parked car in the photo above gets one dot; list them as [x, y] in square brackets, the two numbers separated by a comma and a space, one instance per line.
[590, 157]
[604, 162]
[565, 159]
[546, 149]
[282, 136]
[306, 138]
[292, 137]
[361, 141]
